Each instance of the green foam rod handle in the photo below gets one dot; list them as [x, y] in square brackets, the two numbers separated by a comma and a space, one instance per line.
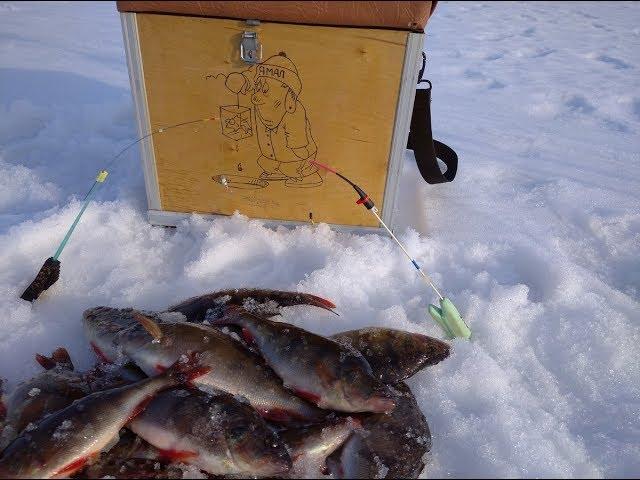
[449, 319]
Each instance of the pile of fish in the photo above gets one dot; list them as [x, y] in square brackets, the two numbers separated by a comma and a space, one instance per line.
[215, 387]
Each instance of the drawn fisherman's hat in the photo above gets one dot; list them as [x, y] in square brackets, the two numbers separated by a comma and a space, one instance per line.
[280, 68]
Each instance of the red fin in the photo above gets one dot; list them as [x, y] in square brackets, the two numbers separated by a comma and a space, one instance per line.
[61, 357]
[275, 414]
[176, 455]
[247, 335]
[310, 396]
[149, 325]
[74, 466]
[187, 368]
[100, 353]
[45, 362]
[323, 301]
[140, 408]
[198, 372]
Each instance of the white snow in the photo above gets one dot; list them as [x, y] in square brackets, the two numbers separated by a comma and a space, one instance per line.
[537, 240]
[34, 392]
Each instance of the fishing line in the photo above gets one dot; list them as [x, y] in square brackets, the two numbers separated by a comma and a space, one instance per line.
[368, 204]
[50, 270]
[102, 175]
[447, 315]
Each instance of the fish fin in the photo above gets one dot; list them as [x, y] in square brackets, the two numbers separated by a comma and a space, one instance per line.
[278, 415]
[72, 467]
[248, 336]
[381, 403]
[307, 395]
[319, 302]
[61, 357]
[45, 362]
[149, 325]
[176, 455]
[140, 407]
[187, 368]
[99, 353]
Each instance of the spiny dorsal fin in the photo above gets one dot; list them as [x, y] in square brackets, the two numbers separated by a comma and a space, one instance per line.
[149, 325]
[61, 357]
[45, 362]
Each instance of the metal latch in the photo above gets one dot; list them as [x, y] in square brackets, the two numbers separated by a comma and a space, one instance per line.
[250, 47]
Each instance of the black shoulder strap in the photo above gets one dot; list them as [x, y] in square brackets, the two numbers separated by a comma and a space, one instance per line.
[426, 149]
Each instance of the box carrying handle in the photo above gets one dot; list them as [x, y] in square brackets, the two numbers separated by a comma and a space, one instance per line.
[427, 150]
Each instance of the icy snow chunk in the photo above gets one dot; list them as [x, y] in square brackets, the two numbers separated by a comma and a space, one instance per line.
[21, 189]
[63, 430]
[34, 392]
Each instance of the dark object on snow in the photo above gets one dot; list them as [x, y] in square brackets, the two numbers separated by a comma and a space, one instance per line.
[426, 149]
[266, 303]
[50, 271]
[47, 276]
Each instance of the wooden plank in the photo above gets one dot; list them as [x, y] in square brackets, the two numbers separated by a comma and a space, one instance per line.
[134, 64]
[349, 82]
[404, 15]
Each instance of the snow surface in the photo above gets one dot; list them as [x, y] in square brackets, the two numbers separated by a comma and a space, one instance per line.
[537, 239]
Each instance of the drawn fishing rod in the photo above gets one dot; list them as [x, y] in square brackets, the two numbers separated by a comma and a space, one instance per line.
[447, 315]
[50, 270]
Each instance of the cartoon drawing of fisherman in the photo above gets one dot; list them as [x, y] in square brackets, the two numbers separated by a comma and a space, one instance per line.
[286, 144]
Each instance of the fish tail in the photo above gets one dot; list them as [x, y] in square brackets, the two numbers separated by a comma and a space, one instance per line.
[317, 301]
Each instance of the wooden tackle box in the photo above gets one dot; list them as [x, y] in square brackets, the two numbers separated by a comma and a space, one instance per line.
[284, 84]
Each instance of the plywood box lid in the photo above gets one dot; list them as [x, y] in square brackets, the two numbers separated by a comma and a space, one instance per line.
[396, 15]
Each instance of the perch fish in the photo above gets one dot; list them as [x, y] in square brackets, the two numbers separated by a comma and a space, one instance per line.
[319, 369]
[233, 368]
[214, 432]
[63, 442]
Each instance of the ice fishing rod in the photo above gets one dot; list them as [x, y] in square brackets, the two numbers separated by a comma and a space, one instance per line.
[447, 315]
[50, 270]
